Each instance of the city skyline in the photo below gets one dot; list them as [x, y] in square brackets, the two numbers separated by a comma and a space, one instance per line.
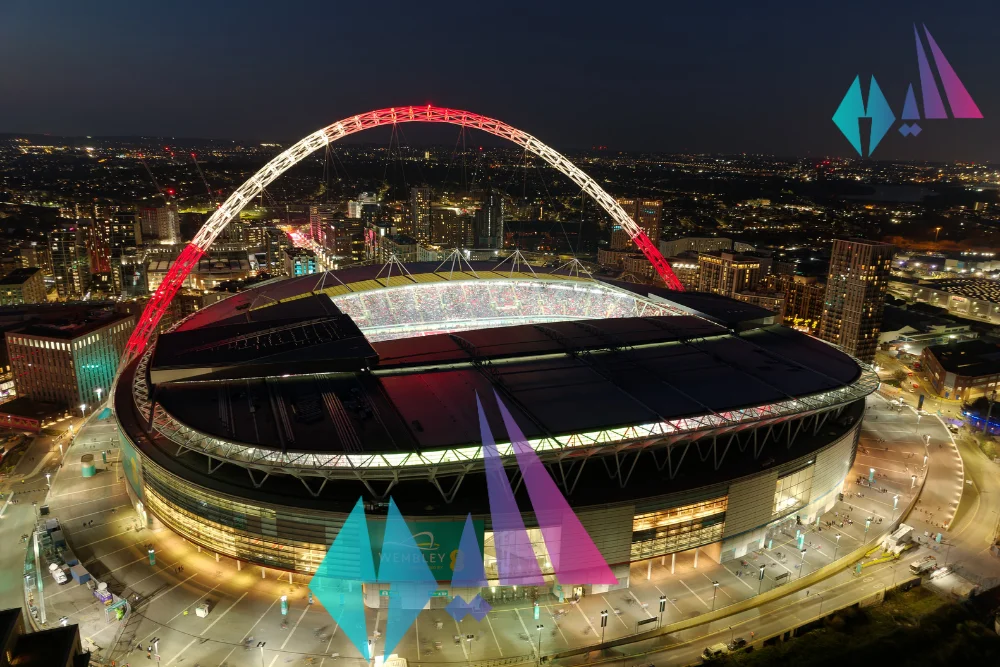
[728, 81]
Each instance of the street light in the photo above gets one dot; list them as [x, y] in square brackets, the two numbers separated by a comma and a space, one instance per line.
[836, 548]
[761, 578]
[48, 479]
[715, 592]
[83, 407]
[260, 645]
[539, 628]
[604, 623]
[802, 562]
[663, 605]
[895, 504]
[98, 390]
[868, 523]
[913, 480]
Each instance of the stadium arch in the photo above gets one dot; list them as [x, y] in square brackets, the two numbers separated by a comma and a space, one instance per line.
[191, 254]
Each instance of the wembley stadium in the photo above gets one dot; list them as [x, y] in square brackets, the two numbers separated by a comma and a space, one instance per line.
[671, 421]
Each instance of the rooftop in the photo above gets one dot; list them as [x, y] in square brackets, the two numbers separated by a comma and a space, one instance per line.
[75, 328]
[19, 276]
[972, 288]
[973, 358]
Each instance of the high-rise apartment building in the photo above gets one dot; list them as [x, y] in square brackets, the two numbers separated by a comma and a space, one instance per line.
[855, 295]
[420, 213]
[71, 364]
[804, 298]
[123, 236]
[33, 253]
[162, 223]
[647, 213]
[727, 273]
[70, 262]
[321, 216]
[489, 222]
[22, 286]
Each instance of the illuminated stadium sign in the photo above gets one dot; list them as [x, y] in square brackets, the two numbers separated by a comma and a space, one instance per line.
[407, 561]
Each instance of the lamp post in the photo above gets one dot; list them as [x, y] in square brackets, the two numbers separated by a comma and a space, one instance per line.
[48, 480]
[868, 523]
[715, 592]
[260, 645]
[98, 391]
[895, 504]
[83, 408]
[604, 623]
[761, 578]
[663, 605]
[837, 547]
[913, 479]
[539, 628]
[802, 562]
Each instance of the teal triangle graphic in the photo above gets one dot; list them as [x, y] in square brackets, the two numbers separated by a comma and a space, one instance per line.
[469, 572]
[880, 113]
[851, 108]
[337, 583]
[402, 565]
[910, 110]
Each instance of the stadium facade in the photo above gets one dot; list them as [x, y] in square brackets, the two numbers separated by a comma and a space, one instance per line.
[671, 421]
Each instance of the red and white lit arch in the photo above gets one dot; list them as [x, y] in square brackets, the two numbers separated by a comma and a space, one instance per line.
[429, 114]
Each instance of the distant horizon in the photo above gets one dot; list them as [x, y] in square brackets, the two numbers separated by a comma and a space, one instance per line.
[492, 142]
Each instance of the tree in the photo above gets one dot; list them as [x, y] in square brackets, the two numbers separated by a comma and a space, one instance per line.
[899, 375]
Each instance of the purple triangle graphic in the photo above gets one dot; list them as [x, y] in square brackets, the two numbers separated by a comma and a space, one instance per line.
[574, 556]
[910, 110]
[933, 106]
[469, 563]
[516, 560]
[959, 99]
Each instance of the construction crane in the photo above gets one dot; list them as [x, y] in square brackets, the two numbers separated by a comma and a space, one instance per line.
[194, 157]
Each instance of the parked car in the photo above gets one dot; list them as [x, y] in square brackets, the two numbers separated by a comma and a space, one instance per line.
[737, 644]
[714, 651]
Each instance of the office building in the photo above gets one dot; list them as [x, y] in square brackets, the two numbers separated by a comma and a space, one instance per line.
[22, 286]
[300, 262]
[963, 371]
[855, 295]
[69, 362]
[420, 214]
[727, 273]
[70, 262]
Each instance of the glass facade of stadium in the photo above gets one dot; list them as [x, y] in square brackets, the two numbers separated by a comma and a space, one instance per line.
[722, 521]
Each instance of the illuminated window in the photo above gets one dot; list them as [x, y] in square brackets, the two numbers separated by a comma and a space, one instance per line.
[678, 528]
[793, 490]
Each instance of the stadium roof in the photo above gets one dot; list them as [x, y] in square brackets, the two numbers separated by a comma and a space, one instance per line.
[560, 378]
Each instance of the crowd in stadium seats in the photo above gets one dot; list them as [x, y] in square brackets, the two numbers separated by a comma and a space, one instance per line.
[498, 302]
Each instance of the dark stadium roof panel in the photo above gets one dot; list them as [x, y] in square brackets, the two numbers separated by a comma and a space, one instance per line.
[560, 377]
[308, 334]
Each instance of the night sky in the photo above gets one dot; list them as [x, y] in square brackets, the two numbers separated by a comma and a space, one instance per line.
[719, 76]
